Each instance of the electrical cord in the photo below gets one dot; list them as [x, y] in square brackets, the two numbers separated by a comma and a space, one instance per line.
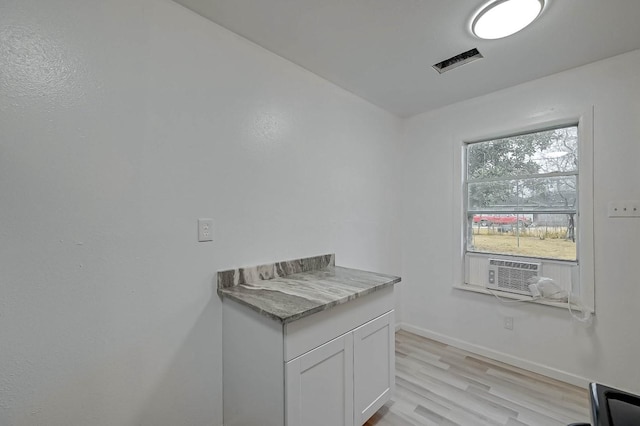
[586, 312]
[585, 318]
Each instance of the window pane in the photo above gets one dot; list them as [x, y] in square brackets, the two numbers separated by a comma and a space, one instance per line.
[548, 236]
[551, 194]
[494, 196]
[543, 152]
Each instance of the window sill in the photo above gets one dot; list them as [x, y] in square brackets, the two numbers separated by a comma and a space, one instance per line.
[518, 297]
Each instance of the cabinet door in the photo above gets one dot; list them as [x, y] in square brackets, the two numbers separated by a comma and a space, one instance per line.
[319, 385]
[374, 366]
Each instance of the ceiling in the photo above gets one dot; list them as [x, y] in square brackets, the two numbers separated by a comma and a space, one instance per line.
[383, 50]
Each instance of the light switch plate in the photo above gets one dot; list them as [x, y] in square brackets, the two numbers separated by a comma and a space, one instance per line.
[624, 208]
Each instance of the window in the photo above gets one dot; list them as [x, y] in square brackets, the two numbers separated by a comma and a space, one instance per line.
[521, 195]
[526, 205]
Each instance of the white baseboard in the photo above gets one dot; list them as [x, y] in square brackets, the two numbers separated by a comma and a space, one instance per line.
[498, 356]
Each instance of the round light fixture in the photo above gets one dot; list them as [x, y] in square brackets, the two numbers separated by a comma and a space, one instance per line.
[501, 18]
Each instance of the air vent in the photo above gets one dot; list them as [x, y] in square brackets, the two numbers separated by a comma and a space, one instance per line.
[511, 276]
[456, 61]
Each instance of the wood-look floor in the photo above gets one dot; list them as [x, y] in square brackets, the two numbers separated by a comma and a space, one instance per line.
[437, 384]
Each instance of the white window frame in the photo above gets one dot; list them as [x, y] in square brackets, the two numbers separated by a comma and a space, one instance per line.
[583, 282]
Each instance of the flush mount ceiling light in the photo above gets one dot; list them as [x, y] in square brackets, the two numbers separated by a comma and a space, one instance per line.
[501, 18]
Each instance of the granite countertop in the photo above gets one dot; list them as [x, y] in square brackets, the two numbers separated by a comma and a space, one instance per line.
[290, 290]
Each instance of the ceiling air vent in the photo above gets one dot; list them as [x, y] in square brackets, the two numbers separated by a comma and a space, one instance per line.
[456, 61]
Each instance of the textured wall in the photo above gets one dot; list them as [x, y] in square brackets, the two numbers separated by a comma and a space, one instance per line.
[608, 350]
[122, 123]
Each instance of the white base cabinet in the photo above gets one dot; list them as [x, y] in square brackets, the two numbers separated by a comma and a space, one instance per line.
[373, 366]
[319, 385]
[345, 381]
[335, 367]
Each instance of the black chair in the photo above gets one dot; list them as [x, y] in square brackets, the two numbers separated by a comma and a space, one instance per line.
[612, 407]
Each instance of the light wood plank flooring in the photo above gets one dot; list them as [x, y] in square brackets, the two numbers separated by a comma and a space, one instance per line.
[437, 384]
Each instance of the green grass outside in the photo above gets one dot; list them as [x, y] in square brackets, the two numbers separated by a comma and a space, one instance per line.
[530, 244]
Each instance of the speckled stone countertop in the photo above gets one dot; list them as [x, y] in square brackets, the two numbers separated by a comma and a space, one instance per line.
[290, 290]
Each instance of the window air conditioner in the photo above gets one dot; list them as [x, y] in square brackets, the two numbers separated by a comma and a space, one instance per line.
[511, 276]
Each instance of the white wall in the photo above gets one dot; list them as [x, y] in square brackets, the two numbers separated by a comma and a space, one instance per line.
[544, 337]
[122, 123]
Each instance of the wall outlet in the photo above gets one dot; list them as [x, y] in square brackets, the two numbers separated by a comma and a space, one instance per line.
[624, 208]
[205, 230]
[508, 323]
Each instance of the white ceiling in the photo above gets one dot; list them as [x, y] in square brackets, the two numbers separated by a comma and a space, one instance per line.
[383, 50]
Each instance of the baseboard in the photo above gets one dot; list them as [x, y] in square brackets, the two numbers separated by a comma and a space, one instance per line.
[498, 356]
